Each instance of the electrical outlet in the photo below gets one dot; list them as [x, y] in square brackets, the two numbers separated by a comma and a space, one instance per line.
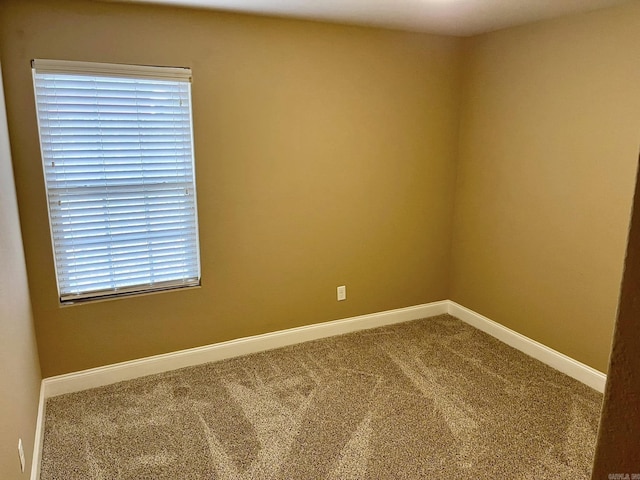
[342, 293]
[21, 453]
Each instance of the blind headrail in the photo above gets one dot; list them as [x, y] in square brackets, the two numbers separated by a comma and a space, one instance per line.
[112, 69]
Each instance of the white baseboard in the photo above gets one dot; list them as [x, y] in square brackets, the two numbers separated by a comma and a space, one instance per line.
[567, 365]
[97, 377]
[39, 436]
[100, 376]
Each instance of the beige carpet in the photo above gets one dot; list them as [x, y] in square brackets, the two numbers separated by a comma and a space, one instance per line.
[433, 398]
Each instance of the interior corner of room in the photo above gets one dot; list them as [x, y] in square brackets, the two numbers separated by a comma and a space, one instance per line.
[494, 173]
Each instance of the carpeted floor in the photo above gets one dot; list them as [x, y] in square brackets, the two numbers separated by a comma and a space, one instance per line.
[432, 398]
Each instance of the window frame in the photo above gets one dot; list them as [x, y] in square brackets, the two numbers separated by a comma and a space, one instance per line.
[142, 73]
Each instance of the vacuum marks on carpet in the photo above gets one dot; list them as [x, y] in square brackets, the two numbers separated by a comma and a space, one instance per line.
[432, 398]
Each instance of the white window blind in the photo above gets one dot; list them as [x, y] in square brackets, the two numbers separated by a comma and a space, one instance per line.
[117, 151]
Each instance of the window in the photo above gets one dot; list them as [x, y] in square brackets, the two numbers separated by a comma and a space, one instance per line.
[117, 151]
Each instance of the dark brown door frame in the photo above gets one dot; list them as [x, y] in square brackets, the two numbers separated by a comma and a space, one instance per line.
[618, 448]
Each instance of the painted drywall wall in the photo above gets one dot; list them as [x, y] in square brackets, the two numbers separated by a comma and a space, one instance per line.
[617, 450]
[20, 372]
[550, 129]
[325, 156]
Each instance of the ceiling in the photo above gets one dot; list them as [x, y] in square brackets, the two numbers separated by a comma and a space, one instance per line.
[450, 17]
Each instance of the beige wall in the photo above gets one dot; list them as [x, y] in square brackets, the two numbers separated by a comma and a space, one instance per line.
[19, 371]
[325, 156]
[548, 150]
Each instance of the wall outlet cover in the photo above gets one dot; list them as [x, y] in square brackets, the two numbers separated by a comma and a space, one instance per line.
[342, 293]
